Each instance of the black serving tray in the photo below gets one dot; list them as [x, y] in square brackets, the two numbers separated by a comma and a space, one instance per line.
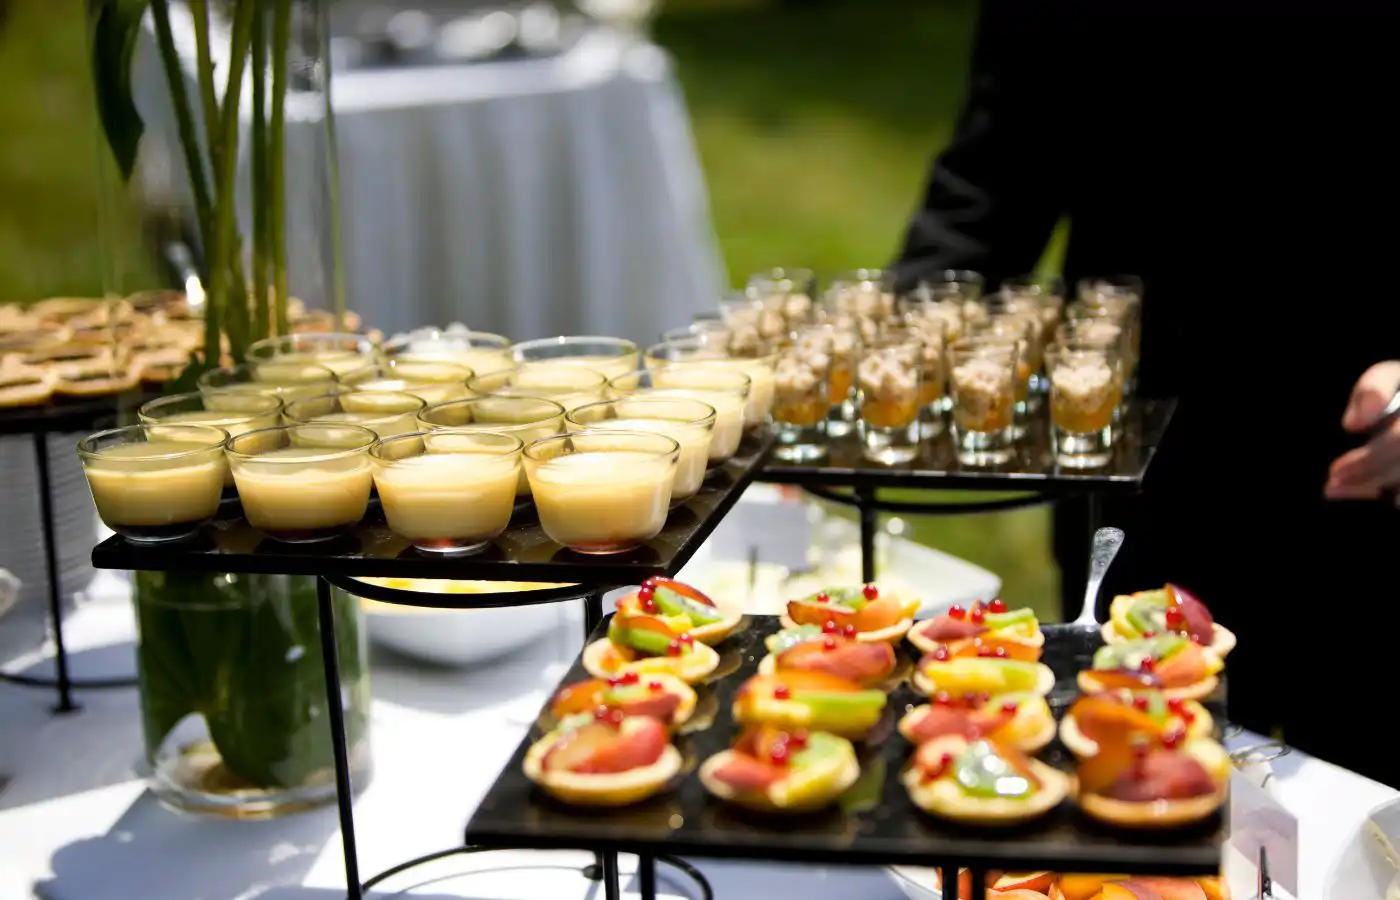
[1033, 468]
[688, 821]
[522, 553]
[72, 414]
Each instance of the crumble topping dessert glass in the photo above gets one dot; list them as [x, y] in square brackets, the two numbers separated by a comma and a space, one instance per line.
[1086, 387]
[930, 333]
[943, 303]
[786, 291]
[962, 286]
[983, 378]
[1120, 298]
[748, 325]
[608, 355]
[689, 422]
[527, 418]
[1024, 331]
[802, 396]
[723, 389]
[155, 483]
[602, 492]
[1045, 293]
[888, 380]
[847, 332]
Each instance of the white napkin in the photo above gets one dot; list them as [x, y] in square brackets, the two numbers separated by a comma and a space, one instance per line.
[1369, 867]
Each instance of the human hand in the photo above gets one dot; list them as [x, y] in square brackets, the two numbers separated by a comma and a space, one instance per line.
[1363, 473]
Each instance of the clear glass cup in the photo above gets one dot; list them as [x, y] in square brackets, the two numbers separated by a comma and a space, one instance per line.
[711, 330]
[155, 483]
[448, 492]
[962, 286]
[802, 393]
[723, 389]
[287, 382]
[930, 333]
[749, 325]
[341, 353]
[386, 413]
[303, 483]
[1046, 293]
[760, 370]
[846, 340]
[689, 422]
[432, 380]
[1080, 313]
[571, 386]
[888, 380]
[234, 412]
[982, 378]
[1118, 296]
[1024, 331]
[480, 351]
[528, 418]
[943, 303]
[609, 355]
[602, 492]
[864, 293]
[787, 291]
[1086, 387]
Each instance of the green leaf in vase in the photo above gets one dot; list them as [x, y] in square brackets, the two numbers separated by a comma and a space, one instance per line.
[115, 26]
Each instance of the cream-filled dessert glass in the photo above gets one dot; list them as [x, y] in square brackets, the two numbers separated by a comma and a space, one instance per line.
[287, 382]
[689, 422]
[609, 355]
[341, 353]
[303, 483]
[480, 351]
[386, 413]
[528, 418]
[434, 381]
[155, 483]
[234, 412]
[723, 389]
[1086, 386]
[982, 377]
[761, 370]
[570, 386]
[448, 492]
[602, 492]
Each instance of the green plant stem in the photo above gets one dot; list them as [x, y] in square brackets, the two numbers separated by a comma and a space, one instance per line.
[204, 63]
[224, 283]
[337, 251]
[281, 37]
[262, 312]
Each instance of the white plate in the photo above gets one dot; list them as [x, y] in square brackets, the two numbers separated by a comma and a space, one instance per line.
[916, 882]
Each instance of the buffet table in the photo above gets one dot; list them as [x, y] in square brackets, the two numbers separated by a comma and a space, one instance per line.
[76, 823]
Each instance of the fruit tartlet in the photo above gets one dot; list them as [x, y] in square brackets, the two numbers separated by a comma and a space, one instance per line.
[989, 620]
[1020, 721]
[683, 608]
[1049, 886]
[1141, 782]
[876, 617]
[808, 648]
[604, 759]
[663, 697]
[982, 782]
[1170, 610]
[815, 701]
[647, 645]
[1175, 665]
[1111, 715]
[776, 770]
[984, 665]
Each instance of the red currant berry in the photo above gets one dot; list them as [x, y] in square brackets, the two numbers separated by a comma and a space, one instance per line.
[1175, 704]
[997, 606]
[870, 592]
[1149, 634]
[983, 699]
[1188, 717]
[687, 639]
[849, 631]
[655, 687]
[778, 755]
[999, 652]
[830, 627]
[1175, 618]
[673, 648]
[977, 615]
[829, 643]
[1140, 703]
[650, 582]
[956, 612]
[944, 762]
[646, 590]
[631, 677]
[941, 654]
[602, 713]
[984, 652]
[823, 597]
[781, 692]
[649, 605]
[942, 698]
[798, 739]
[614, 681]
[1010, 707]
[1172, 739]
[1147, 665]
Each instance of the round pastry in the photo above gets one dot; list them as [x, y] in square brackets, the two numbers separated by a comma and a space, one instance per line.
[1171, 663]
[660, 696]
[774, 770]
[70, 359]
[991, 620]
[1110, 713]
[981, 782]
[1143, 783]
[607, 760]
[65, 308]
[985, 668]
[647, 645]
[23, 386]
[97, 380]
[1170, 610]
[1020, 721]
[814, 701]
[683, 608]
[807, 648]
[875, 617]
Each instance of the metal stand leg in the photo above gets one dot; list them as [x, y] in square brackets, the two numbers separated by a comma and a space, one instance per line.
[948, 882]
[612, 881]
[646, 876]
[592, 617]
[63, 683]
[865, 502]
[977, 883]
[344, 795]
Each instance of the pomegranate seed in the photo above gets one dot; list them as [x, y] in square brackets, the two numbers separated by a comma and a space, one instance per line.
[1147, 665]
[956, 612]
[798, 739]
[870, 592]
[849, 631]
[781, 692]
[655, 687]
[823, 597]
[1149, 634]
[830, 627]
[1172, 739]
[977, 615]
[1175, 704]
[686, 639]
[997, 606]
[1010, 707]
[941, 654]
[614, 681]
[779, 754]
[1175, 618]
[942, 698]
[673, 648]
[646, 591]
[630, 677]
[602, 713]
[649, 605]
[829, 643]
[1140, 703]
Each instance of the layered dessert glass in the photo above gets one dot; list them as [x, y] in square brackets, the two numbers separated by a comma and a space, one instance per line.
[889, 380]
[155, 483]
[982, 378]
[1024, 331]
[689, 422]
[1086, 387]
[788, 292]
[749, 324]
[303, 483]
[802, 393]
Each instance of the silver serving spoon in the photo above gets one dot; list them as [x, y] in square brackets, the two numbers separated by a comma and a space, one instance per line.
[1106, 544]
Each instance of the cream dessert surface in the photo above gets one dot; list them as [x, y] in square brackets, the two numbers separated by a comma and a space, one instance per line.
[439, 496]
[694, 440]
[602, 498]
[133, 485]
[303, 488]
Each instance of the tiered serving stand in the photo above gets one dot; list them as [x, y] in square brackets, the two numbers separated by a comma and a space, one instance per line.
[61, 417]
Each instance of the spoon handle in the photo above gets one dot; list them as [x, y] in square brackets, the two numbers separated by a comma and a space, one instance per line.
[1106, 544]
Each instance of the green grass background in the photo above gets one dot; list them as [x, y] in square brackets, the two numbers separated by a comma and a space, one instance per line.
[815, 123]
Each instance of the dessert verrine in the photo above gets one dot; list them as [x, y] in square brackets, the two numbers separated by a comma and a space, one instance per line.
[448, 492]
[749, 323]
[602, 491]
[789, 291]
[801, 398]
[1045, 292]
[386, 413]
[724, 390]
[760, 370]
[433, 381]
[609, 355]
[571, 386]
[287, 382]
[302, 483]
[867, 293]
[234, 413]
[155, 482]
[689, 422]
[888, 381]
[931, 335]
[1085, 390]
[480, 351]
[983, 381]
[528, 418]
[341, 353]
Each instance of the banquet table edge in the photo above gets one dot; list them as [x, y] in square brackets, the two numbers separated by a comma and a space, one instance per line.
[70, 415]
[688, 526]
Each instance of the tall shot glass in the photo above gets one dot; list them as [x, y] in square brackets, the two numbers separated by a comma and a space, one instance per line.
[801, 394]
[983, 383]
[1086, 386]
[888, 379]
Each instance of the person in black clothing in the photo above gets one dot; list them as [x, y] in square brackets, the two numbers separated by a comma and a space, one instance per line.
[1239, 159]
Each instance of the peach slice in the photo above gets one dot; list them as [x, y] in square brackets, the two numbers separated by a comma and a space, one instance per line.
[1128, 890]
[881, 613]
[810, 612]
[596, 748]
[1016, 894]
[1172, 888]
[1214, 888]
[1026, 881]
[1185, 667]
[1082, 887]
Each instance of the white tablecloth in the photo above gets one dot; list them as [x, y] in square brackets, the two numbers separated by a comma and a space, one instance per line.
[530, 197]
